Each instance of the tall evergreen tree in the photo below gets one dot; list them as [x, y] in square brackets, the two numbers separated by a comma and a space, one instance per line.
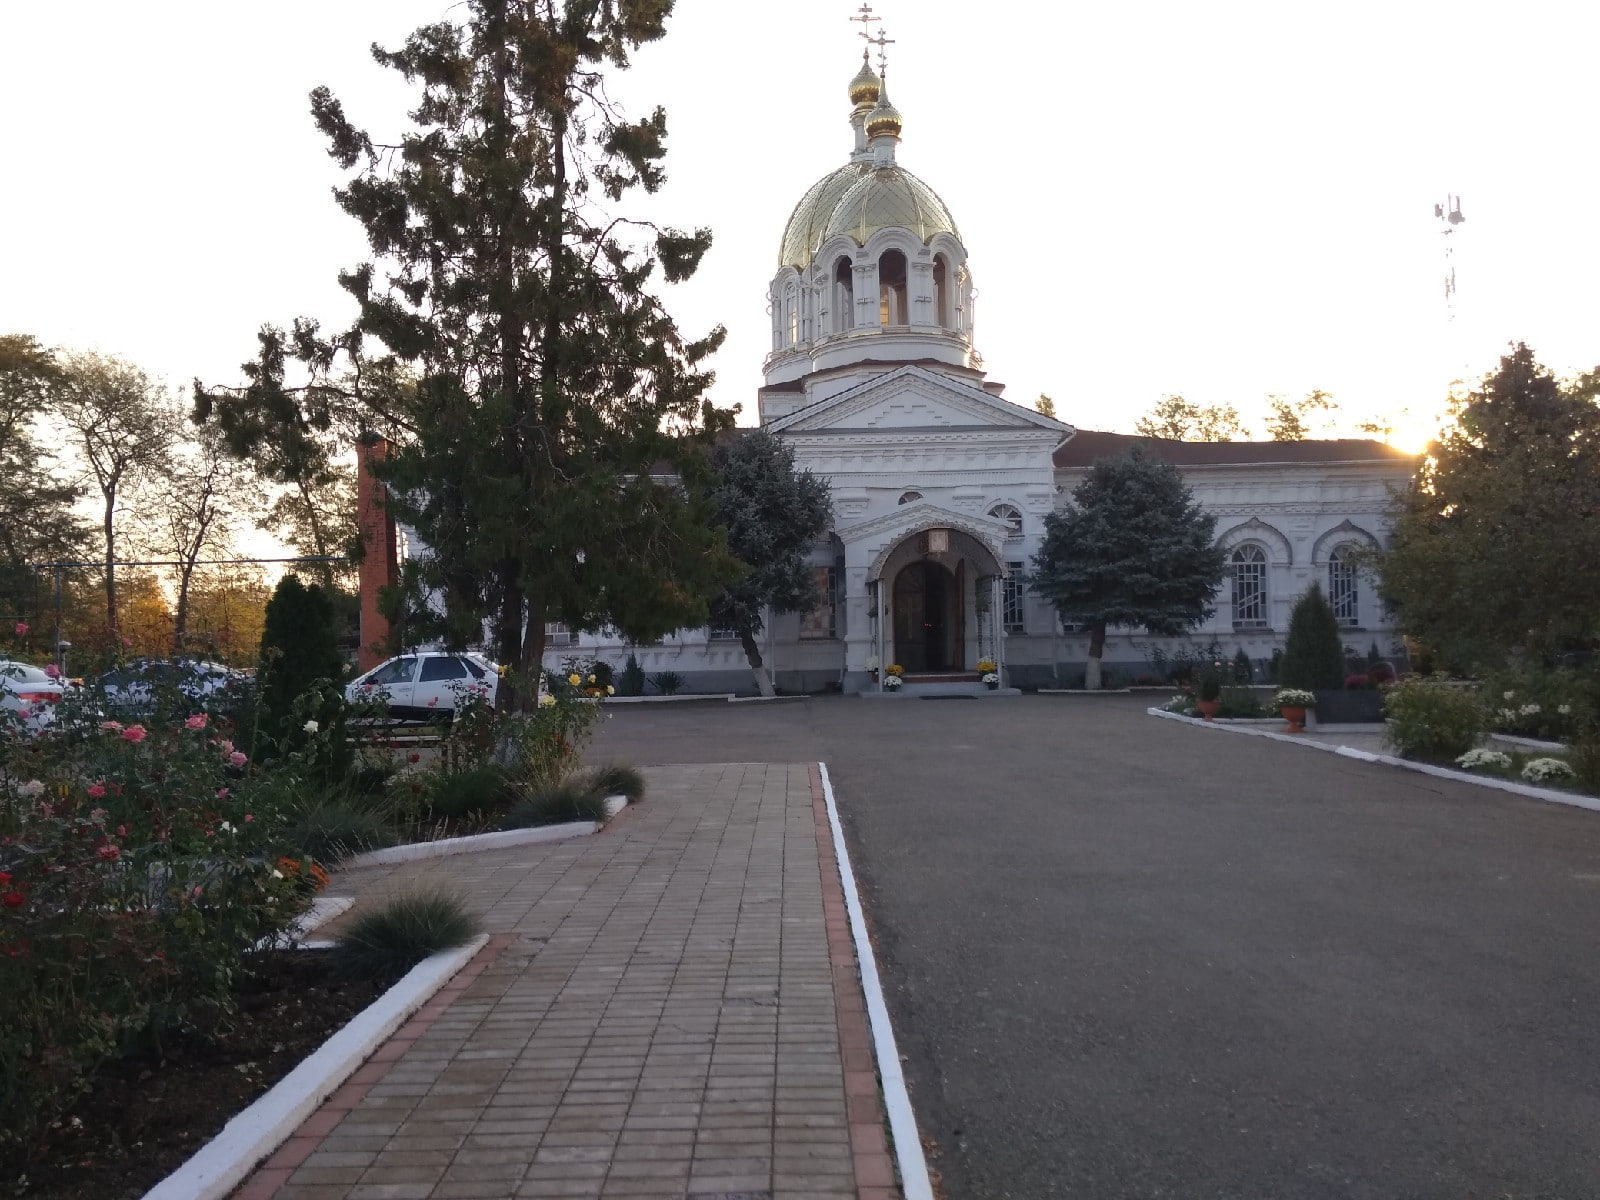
[1496, 548]
[774, 516]
[1313, 653]
[299, 648]
[1134, 549]
[552, 437]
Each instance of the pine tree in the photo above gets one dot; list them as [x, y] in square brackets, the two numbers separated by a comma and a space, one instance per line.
[551, 436]
[1134, 549]
[774, 516]
[1313, 654]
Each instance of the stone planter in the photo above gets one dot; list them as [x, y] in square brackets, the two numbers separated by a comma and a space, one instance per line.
[1296, 717]
[1208, 708]
[1355, 706]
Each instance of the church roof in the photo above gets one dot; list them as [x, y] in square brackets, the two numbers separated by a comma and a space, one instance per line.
[1088, 446]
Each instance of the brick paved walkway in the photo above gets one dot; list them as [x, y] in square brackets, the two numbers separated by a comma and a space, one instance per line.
[668, 1009]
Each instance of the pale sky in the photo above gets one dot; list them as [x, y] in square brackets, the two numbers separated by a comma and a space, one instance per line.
[1224, 200]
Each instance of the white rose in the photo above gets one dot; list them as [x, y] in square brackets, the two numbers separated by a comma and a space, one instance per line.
[311, 727]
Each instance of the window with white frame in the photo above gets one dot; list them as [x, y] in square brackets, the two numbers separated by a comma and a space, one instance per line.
[1249, 564]
[1344, 589]
[555, 633]
[715, 634]
[1012, 589]
[1012, 516]
[820, 621]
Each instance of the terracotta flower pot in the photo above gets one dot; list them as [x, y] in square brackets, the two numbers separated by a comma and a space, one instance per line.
[1208, 708]
[1296, 716]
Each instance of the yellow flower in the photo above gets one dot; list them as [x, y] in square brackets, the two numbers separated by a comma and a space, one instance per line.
[547, 701]
[610, 691]
[573, 679]
[591, 679]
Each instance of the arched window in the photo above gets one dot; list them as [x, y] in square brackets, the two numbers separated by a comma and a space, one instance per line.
[1012, 516]
[943, 312]
[1344, 589]
[910, 497]
[844, 305]
[792, 308]
[892, 288]
[1249, 564]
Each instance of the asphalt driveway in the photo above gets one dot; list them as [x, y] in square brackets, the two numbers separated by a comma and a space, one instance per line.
[1128, 958]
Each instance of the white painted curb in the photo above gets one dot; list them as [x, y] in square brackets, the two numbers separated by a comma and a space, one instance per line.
[218, 1166]
[1572, 799]
[673, 699]
[914, 1180]
[445, 847]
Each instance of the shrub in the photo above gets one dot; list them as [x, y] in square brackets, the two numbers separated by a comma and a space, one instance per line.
[573, 798]
[299, 652]
[391, 940]
[1546, 770]
[1313, 656]
[1243, 669]
[480, 789]
[1356, 683]
[334, 828]
[1432, 719]
[613, 780]
[1585, 762]
[1556, 705]
[630, 680]
[667, 682]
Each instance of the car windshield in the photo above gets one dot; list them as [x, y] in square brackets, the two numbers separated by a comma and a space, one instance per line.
[23, 673]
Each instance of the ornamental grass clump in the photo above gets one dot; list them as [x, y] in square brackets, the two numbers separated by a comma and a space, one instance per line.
[389, 941]
[573, 798]
[614, 780]
[1432, 719]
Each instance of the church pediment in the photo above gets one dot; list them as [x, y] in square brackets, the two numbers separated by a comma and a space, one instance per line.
[914, 399]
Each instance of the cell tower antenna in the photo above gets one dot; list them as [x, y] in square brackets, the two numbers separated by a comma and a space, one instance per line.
[1449, 215]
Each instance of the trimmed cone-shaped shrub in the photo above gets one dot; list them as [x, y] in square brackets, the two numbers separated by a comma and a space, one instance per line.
[1313, 653]
[299, 647]
[389, 941]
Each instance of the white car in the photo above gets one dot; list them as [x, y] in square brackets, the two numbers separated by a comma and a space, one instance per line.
[29, 696]
[132, 689]
[426, 684]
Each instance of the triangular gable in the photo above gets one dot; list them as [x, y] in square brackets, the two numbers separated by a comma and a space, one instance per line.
[912, 397]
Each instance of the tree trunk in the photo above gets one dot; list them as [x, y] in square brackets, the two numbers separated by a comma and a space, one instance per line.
[752, 651]
[111, 563]
[180, 614]
[532, 665]
[1097, 648]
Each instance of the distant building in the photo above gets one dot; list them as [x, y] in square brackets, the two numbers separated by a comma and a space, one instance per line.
[941, 486]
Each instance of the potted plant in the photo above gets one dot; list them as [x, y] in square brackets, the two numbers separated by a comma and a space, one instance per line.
[1291, 704]
[872, 669]
[1208, 691]
[892, 674]
[990, 673]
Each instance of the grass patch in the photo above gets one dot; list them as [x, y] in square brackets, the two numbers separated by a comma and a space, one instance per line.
[614, 780]
[329, 830]
[393, 939]
[574, 798]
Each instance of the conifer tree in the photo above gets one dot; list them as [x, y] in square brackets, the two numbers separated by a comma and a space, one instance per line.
[551, 437]
[1313, 654]
[1133, 549]
[299, 648]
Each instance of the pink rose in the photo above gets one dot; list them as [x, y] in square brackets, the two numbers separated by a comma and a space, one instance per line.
[198, 721]
[224, 747]
[96, 790]
[97, 815]
[222, 794]
[238, 758]
[52, 671]
[111, 726]
[249, 817]
[109, 853]
[22, 629]
[134, 733]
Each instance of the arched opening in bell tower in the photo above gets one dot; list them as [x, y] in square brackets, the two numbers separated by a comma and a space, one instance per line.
[844, 305]
[944, 314]
[892, 289]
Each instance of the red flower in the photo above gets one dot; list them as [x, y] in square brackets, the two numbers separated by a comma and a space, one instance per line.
[96, 790]
[13, 899]
[416, 758]
[133, 733]
[109, 853]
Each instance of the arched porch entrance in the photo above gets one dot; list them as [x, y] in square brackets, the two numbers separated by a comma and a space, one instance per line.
[934, 596]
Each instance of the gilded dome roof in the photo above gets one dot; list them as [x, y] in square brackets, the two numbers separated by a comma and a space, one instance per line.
[804, 232]
[865, 86]
[884, 118]
[889, 197]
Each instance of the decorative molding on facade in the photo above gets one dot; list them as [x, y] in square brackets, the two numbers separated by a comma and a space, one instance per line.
[1257, 530]
[1341, 534]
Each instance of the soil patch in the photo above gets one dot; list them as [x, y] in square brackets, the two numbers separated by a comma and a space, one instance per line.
[149, 1112]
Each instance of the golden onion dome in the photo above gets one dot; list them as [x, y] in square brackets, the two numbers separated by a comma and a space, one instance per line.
[884, 119]
[864, 88]
[888, 198]
[802, 236]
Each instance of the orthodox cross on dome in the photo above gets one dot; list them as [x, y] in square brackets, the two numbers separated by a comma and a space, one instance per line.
[881, 41]
[865, 15]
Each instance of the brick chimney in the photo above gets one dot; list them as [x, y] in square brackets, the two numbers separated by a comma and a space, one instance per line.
[379, 561]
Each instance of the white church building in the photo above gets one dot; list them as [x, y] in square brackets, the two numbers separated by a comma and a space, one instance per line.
[941, 485]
